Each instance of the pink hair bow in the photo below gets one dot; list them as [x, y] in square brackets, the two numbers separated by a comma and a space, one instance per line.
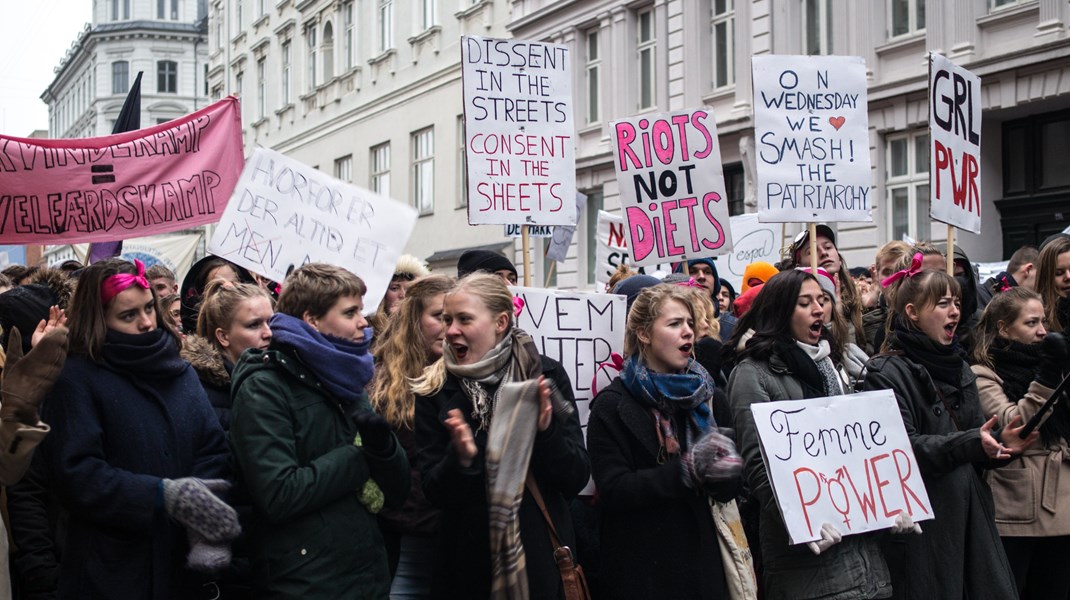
[689, 283]
[518, 305]
[915, 268]
[114, 284]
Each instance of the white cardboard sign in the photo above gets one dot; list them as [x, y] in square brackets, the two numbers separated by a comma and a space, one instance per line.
[612, 249]
[672, 190]
[285, 213]
[811, 127]
[955, 157]
[752, 241]
[578, 330]
[842, 460]
[520, 153]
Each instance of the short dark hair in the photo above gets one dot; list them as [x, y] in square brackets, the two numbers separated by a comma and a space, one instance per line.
[315, 288]
[1021, 257]
[157, 271]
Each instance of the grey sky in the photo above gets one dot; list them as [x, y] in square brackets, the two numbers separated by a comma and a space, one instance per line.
[34, 36]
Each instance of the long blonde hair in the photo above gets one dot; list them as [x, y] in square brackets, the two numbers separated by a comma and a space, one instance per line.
[401, 355]
[495, 296]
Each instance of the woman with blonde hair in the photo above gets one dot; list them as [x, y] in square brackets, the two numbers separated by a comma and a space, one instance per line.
[659, 460]
[233, 317]
[413, 341]
[474, 474]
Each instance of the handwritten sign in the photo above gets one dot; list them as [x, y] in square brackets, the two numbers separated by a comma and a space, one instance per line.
[812, 129]
[752, 241]
[842, 460]
[173, 176]
[612, 249]
[671, 186]
[286, 213]
[576, 329]
[955, 160]
[521, 156]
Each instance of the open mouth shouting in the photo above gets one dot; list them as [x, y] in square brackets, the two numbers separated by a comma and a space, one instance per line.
[460, 351]
[815, 331]
[685, 349]
[949, 330]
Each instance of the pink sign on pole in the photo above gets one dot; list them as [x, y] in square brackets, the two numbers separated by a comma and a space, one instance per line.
[172, 176]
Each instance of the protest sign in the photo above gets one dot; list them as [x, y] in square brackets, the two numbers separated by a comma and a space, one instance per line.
[173, 176]
[752, 241]
[671, 186]
[287, 213]
[562, 237]
[842, 460]
[576, 329]
[521, 156]
[612, 249]
[812, 128]
[955, 159]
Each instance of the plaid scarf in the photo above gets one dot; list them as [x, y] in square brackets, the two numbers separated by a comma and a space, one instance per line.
[511, 417]
[668, 393]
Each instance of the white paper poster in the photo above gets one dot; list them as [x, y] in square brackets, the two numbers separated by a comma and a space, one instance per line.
[955, 156]
[285, 213]
[842, 460]
[811, 125]
[671, 184]
[612, 250]
[753, 241]
[520, 152]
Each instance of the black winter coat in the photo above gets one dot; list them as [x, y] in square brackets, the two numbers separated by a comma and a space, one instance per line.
[561, 468]
[959, 554]
[658, 537]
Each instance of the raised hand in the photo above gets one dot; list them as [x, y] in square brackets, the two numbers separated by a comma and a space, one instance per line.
[464, 444]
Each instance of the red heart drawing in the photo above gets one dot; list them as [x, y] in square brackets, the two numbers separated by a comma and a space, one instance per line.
[837, 122]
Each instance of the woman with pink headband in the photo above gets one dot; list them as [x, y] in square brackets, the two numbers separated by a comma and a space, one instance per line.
[137, 453]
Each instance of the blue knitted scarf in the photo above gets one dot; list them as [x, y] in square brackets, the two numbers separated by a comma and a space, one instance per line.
[343, 367]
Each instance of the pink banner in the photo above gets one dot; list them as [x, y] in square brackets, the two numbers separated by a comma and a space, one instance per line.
[164, 178]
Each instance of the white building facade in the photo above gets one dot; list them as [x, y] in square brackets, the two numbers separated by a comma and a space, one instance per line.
[662, 55]
[368, 91]
[164, 39]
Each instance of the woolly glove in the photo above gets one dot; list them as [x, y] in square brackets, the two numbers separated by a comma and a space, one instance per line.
[830, 536]
[375, 434]
[207, 557]
[1054, 355]
[27, 379]
[854, 360]
[711, 460]
[191, 502]
[370, 494]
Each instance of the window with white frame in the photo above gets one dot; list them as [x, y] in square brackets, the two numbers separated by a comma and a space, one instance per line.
[817, 27]
[328, 52]
[380, 169]
[722, 29]
[120, 77]
[260, 8]
[343, 168]
[462, 173]
[239, 17]
[646, 48]
[996, 4]
[167, 77]
[593, 73]
[120, 10]
[590, 234]
[313, 55]
[261, 76]
[385, 18]
[907, 17]
[907, 184]
[423, 170]
[428, 14]
[287, 77]
[350, 35]
[238, 84]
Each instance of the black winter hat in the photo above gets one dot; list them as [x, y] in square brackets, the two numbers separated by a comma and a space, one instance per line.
[482, 260]
[23, 307]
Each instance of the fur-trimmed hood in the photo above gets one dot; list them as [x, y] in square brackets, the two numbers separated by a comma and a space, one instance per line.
[59, 282]
[206, 361]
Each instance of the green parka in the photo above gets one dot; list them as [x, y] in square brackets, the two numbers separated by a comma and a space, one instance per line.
[293, 445]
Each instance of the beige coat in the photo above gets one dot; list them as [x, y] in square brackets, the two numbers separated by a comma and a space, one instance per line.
[1032, 493]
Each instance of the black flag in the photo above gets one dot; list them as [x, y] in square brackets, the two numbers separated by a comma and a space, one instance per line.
[129, 120]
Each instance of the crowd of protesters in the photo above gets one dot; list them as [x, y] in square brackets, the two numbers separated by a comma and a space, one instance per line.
[224, 436]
